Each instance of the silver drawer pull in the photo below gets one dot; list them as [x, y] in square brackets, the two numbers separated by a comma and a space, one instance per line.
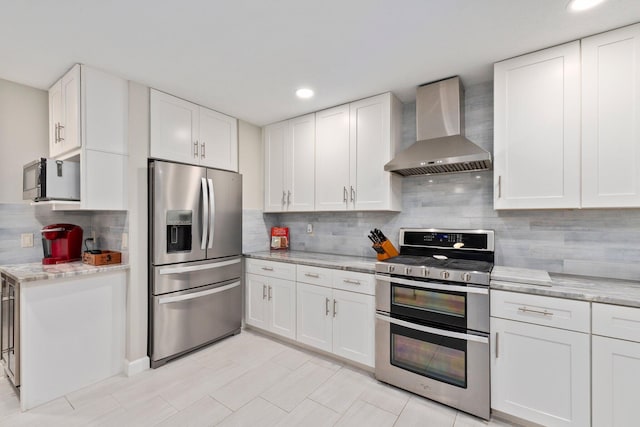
[267, 268]
[353, 282]
[312, 275]
[528, 310]
[326, 306]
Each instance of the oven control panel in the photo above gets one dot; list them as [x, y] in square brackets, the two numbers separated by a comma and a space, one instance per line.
[448, 239]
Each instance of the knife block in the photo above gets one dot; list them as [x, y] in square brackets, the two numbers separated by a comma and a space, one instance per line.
[389, 250]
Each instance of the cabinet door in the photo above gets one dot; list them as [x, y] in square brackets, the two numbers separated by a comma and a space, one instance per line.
[256, 290]
[332, 159]
[69, 132]
[611, 119]
[174, 124]
[370, 150]
[540, 374]
[353, 326]
[537, 130]
[282, 307]
[55, 118]
[300, 163]
[218, 139]
[274, 136]
[616, 375]
[314, 316]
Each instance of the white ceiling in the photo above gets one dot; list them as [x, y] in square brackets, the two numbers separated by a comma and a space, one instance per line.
[246, 58]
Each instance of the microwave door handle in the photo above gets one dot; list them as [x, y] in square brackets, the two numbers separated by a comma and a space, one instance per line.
[435, 286]
[434, 331]
[212, 215]
[205, 213]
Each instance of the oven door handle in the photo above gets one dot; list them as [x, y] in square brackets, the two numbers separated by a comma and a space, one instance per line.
[427, 329]
[435, 286]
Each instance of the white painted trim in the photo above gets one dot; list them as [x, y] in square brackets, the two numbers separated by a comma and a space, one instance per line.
[137, 366]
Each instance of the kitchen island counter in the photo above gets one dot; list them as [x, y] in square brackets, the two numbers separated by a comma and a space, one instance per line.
[35, 271]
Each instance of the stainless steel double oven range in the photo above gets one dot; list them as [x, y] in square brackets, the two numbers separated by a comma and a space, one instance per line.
[432, 317]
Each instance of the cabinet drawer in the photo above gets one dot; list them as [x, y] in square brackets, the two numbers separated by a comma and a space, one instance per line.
[353, 281]
[281, 270]
[314, 275]
[616, 321]
[541, 310]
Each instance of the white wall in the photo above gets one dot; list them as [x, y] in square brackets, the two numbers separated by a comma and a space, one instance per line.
[137, 202]
[24, 134]
[251, 165]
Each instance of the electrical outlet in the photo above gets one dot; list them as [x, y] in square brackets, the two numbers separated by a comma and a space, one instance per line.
[94, 237]
[309, 228]
[125, 240]
[26, 240]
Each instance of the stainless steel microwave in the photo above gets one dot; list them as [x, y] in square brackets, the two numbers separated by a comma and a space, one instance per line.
[51, 179]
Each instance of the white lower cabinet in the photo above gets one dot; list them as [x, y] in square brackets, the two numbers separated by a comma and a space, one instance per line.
[315, 316]
[540, 373]
[271, 304]
[615, 371]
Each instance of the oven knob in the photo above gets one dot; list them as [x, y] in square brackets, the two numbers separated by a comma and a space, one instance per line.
[407, 271]
[425, 272]
[392, 269]
[444, 274]
[466, 277]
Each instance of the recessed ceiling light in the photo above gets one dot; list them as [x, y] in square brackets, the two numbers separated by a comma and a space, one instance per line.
[304, 93]
[580, 5]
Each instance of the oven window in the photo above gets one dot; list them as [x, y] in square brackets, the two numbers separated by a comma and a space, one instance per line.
[434, 356]
[450, 304]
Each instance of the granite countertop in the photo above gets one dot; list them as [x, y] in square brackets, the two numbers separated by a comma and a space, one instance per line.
[585, 288]
[340, 262]
[36, 271]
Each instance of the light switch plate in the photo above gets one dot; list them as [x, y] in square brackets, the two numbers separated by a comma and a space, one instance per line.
[26, 240]
[309, 228]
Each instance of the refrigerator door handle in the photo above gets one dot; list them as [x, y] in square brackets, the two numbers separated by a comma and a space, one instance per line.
[166, 300]
[205, 213]
[177, 270]
[212, 216]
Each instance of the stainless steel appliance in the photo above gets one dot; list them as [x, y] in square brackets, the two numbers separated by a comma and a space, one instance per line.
[432, 317]
[51, 179]
[10, 328]
[195, 241]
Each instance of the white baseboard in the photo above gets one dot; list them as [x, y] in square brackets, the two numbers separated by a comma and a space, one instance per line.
[136, 366]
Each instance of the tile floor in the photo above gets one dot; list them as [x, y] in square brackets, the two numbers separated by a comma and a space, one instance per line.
[245, 380]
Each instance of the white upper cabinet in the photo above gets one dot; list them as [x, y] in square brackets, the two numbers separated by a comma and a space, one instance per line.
[353, 143]
[64, 114]
[289, 165]
[185, 132]
[611, 119]
[537, 130]
[332, 159]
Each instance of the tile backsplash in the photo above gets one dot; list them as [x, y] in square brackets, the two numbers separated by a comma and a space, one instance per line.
[596, 242]
[18, 218]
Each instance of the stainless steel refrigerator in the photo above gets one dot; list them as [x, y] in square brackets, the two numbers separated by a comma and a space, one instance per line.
[195, 247]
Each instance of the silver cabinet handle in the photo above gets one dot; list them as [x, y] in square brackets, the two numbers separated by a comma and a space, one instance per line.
[202, 156]
[284, 195]
[499, 186]
[195, 149]
[353, 194]
[312, 275]
[335, 306]
[326, 306]
[267, 268]
[212, 211]
[270, 294]
[344, 194]
[528, 310]
[55, 134]
[353, 282]
[264, 291]
[497, 354]
[288, 198]
[205, 213]
[60, 138]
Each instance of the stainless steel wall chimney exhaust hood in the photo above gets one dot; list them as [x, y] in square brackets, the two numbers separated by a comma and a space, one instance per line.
[441, 146]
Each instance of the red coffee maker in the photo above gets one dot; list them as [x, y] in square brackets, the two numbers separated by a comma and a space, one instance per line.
[61, 243]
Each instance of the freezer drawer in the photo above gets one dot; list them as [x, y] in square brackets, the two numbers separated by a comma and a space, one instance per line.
[178, 277]
[188, 319]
